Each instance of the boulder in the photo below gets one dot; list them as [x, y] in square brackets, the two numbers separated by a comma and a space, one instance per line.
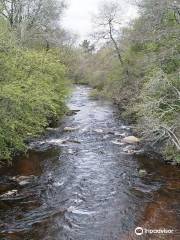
[57, 141]
[9, 193]
[131, 140]
[70, 129]
[24, 180]
[72, 112]
[142, 172]
[52, 129]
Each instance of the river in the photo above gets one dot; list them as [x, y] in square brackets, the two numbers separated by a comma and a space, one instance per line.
[86, 187]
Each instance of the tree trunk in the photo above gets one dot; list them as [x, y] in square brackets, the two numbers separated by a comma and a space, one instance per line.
[115, 44]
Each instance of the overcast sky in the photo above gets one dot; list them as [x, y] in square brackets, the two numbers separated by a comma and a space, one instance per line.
[79, 15]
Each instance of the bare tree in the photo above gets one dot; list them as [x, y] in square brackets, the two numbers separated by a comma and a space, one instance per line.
[107, 23]
[33, 19]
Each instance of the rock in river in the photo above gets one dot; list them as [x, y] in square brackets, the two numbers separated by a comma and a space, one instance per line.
[118, 142]
[9, 193]
[131, 140]
[70, 129]
[72, 112]
[142, 172]
[98, 130]
[24, 180]
[7, 184]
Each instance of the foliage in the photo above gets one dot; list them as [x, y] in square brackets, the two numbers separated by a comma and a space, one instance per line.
[147, 84]
[32, 92]
[35, 22]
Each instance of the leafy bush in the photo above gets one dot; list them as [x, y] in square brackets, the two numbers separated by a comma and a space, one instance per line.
[32, 92]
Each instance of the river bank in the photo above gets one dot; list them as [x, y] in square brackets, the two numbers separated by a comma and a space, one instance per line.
[79, 184]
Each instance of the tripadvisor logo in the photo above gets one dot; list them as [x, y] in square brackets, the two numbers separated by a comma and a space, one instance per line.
[140, 231]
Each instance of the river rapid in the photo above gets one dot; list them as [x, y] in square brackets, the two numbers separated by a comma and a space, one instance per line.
[81, 185]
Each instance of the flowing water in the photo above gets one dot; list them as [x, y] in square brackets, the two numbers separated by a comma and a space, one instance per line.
[85, 187]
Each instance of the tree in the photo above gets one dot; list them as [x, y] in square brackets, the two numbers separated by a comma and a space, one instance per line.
[150, 92]
[107, 22]
[35, 20]
[87, 46]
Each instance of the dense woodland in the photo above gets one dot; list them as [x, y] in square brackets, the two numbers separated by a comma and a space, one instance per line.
[136, 66]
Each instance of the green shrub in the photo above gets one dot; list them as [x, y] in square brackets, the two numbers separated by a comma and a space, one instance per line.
[32, 92]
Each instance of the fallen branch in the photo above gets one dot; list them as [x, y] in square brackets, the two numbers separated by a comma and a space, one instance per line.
[173, 137]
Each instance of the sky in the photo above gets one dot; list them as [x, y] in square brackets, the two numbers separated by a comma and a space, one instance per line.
[78, 16]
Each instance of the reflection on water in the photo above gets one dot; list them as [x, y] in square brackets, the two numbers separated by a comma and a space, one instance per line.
[84, 186]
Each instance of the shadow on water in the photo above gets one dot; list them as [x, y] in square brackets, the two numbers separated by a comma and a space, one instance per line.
[84, 187]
